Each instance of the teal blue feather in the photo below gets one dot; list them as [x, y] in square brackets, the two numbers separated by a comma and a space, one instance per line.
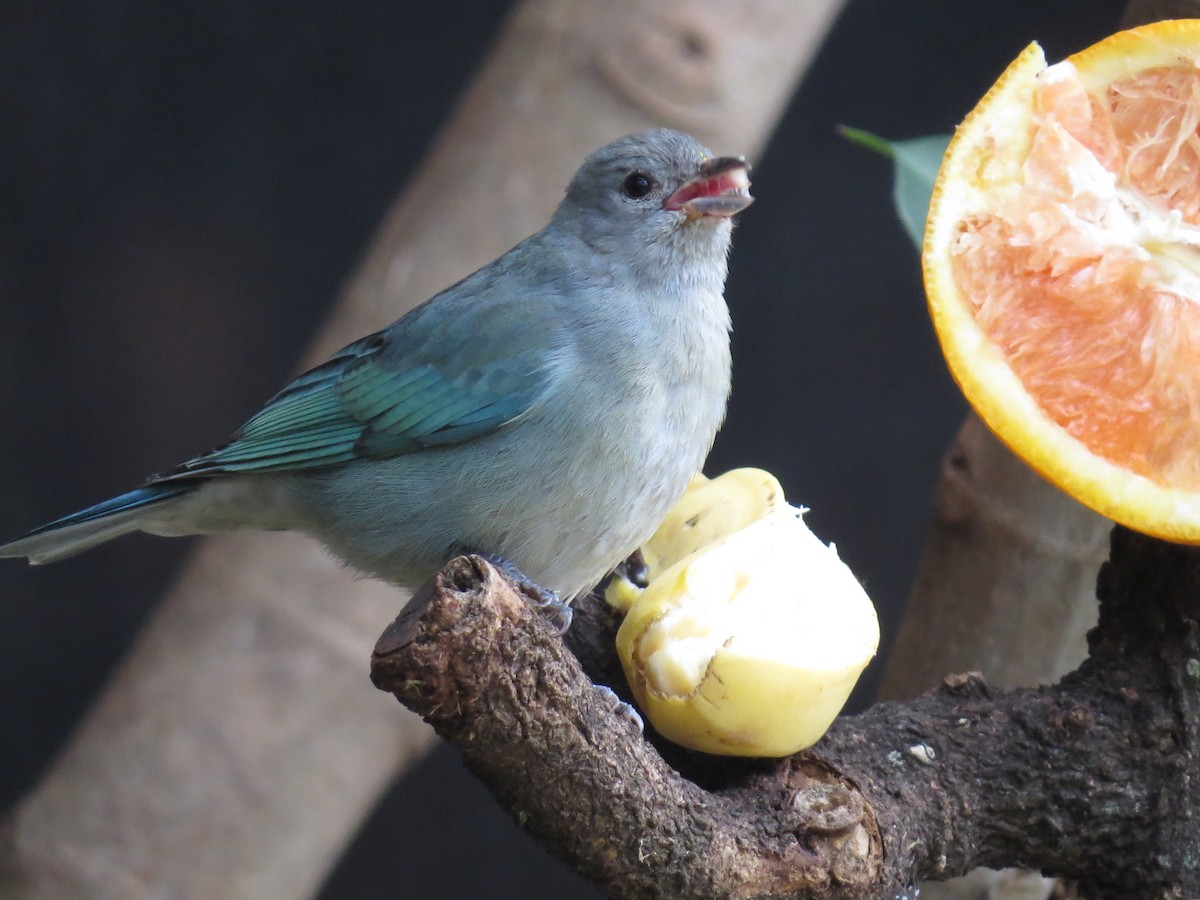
[139, 498]
[417, 384]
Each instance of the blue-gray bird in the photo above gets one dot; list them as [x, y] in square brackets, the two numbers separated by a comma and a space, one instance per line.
[545, 411]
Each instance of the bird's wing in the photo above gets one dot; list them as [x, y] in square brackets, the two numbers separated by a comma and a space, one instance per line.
[427, 381]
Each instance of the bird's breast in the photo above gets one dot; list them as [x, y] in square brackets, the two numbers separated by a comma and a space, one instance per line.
[643, 400]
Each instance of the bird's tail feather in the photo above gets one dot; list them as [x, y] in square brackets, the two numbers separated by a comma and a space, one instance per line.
[95, 525]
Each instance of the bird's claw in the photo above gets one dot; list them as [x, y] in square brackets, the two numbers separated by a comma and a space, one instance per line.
[621, 708]
[546, 601]
[555, 609]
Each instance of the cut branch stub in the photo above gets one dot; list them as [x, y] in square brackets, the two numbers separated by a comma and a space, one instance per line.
[495, 679]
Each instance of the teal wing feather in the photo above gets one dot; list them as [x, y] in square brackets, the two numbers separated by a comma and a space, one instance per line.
[421, 383]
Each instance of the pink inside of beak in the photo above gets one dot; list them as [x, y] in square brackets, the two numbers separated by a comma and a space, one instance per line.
[715, 186]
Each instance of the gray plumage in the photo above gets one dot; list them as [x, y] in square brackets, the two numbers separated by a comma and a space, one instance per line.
[546, 410]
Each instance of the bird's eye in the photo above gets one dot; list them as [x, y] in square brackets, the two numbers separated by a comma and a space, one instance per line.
[637, 186]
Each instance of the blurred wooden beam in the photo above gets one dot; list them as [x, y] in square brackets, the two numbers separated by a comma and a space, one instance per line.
[241, 743]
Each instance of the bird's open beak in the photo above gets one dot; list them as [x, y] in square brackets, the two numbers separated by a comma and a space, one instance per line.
[721, 188]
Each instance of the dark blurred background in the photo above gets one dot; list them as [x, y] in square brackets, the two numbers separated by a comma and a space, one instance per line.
[182, 189]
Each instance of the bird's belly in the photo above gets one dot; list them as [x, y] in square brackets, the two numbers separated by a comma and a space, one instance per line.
[565, 500]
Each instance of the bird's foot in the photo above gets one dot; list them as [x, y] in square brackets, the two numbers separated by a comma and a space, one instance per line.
[545, 601]
[620, 707]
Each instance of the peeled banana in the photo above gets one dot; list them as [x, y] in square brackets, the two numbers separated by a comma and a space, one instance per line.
[751, 632]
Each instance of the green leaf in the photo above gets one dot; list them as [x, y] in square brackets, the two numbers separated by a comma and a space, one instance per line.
[916, 165]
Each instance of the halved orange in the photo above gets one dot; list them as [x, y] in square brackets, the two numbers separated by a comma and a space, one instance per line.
[1062, 267]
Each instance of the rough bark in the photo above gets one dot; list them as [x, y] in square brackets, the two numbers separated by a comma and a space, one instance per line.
[495, 679]
[1091, 778]
[195, 774]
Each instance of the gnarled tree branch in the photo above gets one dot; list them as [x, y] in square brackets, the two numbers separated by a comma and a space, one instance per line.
[1090, 778]
[496, 680]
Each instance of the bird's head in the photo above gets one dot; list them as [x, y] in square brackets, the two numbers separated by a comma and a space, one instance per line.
[659, 191]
